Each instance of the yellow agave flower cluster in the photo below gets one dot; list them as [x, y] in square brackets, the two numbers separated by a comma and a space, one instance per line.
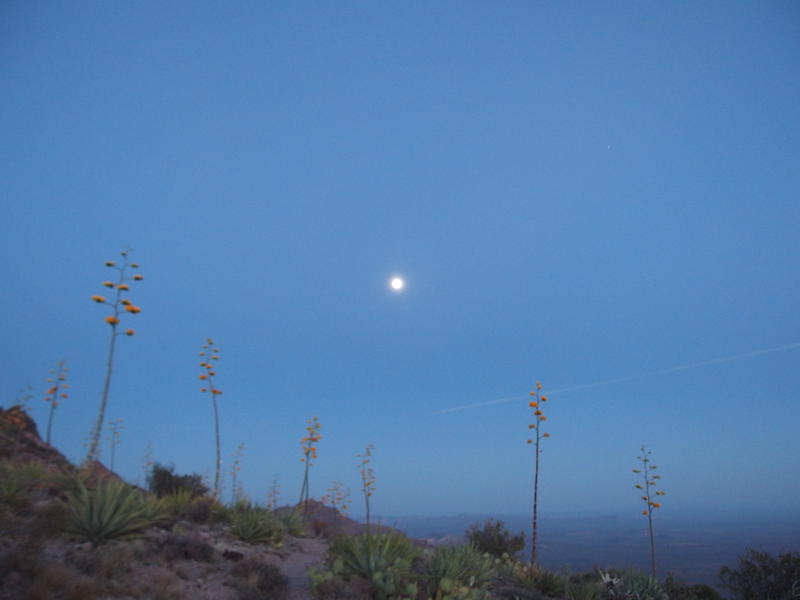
[536, 404]
[57, 383]
[209, 353]
[367, 474]
[312, 437]
[338, 496]
[649, 482]
[118, 303]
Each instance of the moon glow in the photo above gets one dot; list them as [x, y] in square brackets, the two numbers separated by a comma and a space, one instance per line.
[397, 283]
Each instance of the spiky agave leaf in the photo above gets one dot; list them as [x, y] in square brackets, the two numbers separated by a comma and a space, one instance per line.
[292, 522]
[368, 553]
[463, 565]
[112, 510]
[256, 526]
[643, 586]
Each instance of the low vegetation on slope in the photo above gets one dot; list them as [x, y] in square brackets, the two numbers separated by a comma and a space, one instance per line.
[84, 534]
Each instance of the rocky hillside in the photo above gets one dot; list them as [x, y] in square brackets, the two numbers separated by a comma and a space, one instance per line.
[193, 549]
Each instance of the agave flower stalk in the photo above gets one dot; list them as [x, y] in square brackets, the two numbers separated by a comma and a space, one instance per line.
[649, 496]
[308, 444]
[119, 305]
[147, 459]
[57, 383]
[538, 435]
[339, 498]
[367, 477]
[236, 491]
[273, 494]
[115, 428]
[210, 355]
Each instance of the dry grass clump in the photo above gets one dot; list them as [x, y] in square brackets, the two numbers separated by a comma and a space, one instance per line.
[338, 588]
[114, 559]
[188, 546]
[254, 580]
[159, 583]
[62, 581]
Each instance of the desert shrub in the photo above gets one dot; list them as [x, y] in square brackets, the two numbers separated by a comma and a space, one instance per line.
[493, 538]
[255, 580]
[158, 583]
[256, 526]
[677, 590]
[199, 510]
[82, 588]
[188, 546]
[509, 590]
[760, 576]
[19, 559]
[450, 567]
[48, 520]
[113, 558]
[177, 502]
[327, 586]
[52, 581]
[163, 481]
[18, 481]
[184, 505]
[322, 529]
[110, 511]
[535, 580]
[218, 512]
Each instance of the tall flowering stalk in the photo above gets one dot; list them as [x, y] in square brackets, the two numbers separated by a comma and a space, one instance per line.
[339, 498]
[273, 494]
[55, 393]
[308, 444]
[649, 496]
[536, 428]
[119, 305]
[115, 428]
[236, 467]
[208, 354]
[147, 459]
[367, 476]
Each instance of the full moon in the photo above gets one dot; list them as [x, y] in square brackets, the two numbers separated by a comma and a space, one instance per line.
[397, 283]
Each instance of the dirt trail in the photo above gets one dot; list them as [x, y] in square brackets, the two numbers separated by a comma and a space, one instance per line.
[305, 552]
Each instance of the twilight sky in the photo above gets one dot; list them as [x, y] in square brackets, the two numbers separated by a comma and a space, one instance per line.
[575, 192]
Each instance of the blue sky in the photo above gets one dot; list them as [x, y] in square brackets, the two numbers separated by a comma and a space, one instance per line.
[574, 192]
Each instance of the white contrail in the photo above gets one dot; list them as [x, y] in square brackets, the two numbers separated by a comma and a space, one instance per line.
[586, 386]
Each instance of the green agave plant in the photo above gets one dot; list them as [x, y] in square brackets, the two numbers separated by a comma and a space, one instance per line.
[461, 565]
[292, 522]
[177, 502]
[587, 590]
[370, 553]
[643, 587]
[256, 526]
[111, 511]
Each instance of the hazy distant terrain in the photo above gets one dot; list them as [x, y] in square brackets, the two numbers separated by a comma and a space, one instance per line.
[693, 550]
